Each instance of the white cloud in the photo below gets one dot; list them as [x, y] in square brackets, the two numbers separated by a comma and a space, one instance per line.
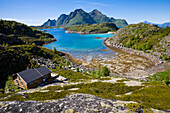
[26, 21]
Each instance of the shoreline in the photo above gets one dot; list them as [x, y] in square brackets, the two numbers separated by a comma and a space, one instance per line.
[48, 42]
[86, 33]
[152, 58]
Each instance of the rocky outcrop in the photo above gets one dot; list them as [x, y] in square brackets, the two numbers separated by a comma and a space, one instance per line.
[82, 103]
[45, 62]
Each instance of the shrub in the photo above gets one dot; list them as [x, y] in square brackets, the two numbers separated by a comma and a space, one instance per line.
[105, 71]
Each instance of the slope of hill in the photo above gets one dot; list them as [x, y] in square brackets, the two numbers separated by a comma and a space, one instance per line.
[79, 17]
[93, 28]
[17, 49]
[21, 31]
[144, 37]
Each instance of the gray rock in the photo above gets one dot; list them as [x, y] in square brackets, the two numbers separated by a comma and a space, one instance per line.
[82, 103]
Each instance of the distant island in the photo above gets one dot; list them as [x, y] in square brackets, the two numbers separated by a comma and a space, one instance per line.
[92, 28]
[164, 25]
[80, 17]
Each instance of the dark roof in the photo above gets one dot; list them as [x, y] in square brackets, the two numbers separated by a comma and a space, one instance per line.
[29, 75]
[43, 70]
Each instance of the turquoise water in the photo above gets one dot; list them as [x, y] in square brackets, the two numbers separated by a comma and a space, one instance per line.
[78, 45]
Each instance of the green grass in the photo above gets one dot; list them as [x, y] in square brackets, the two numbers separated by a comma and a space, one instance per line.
[73, 76]
[15, 98]
[122, 80]
[101, 89]
[156, 95]
[5, 95]
[133, 107]
[46, 95]
[104, 90]
[161, 77]
[105, 78]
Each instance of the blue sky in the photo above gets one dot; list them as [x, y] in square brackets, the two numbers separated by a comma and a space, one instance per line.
[35, 12]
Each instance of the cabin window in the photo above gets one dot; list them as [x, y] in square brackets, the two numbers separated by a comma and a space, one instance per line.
[17, 82]
[21, 83]
[44, 80]
[31, 83]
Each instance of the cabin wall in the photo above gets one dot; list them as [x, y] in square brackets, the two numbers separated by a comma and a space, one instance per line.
[35, 83]
[18, 81]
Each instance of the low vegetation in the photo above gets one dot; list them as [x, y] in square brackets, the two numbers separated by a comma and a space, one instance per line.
[73, 76]
[137, 108]
[22, 30]
[102, 71]
[163, 77]
[145, 37]
[104, 90]
[122, 80]
[156, 95]
[93, 28]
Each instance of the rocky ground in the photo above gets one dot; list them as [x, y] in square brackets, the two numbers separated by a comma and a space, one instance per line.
[82, 103]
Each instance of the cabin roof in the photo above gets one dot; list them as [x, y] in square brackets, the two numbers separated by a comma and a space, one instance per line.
[43, 70]
[33, 74]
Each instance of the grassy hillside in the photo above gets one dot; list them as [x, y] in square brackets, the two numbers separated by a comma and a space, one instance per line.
[24, 32]
[18, 45]
[93, 28]
[150, 38]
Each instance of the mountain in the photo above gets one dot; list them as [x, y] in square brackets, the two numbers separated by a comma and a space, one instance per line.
[61, 19]
[145, 37]
[99, 17]
[164, 25]
[80, 17]
[93, 28]
[51, 23]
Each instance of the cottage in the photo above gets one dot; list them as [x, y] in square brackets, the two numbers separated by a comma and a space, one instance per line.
[32, 77]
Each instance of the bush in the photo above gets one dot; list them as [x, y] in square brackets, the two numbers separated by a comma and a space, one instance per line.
[105, 71]
[77, 69]
[161, 77]
[102, 71]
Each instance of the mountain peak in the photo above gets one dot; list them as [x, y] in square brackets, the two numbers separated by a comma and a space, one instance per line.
[79, 10]
[95, 11]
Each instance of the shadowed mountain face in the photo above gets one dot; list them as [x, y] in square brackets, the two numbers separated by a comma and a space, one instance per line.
[79, 17]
